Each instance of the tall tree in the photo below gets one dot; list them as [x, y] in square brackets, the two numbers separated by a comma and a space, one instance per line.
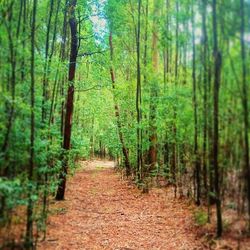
[138, 95]
[29, 226]
[10, 108]
[196, 154]
[245, 105]
[45, 72]
[205, 78]
[117, 112]
[217, 75]
[176, 69]
[153, 89]
[70, 99]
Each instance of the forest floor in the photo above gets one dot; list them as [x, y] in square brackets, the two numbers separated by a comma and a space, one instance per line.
[102, 211]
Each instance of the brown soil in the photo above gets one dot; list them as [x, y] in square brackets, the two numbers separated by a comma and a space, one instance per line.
[102, 211]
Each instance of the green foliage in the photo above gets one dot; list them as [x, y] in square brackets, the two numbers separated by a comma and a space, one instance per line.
[200, 217]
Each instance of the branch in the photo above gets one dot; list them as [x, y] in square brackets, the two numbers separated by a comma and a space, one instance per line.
[85, 37]
[91, 53]
[85, 18]
[94, 87]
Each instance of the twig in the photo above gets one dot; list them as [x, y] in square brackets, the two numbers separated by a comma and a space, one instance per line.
[91, 53]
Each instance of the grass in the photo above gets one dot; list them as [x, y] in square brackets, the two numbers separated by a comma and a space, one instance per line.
[200, 217]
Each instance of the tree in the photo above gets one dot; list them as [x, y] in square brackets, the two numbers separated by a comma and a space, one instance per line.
[196, 155]
[70, 98]
[117, 112]
[138, 95]
[217, 72]
[153, 91]
[29, 226]
[245, 105]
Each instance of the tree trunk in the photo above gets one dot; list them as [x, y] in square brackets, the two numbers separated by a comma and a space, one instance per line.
[245, 106]
[44, 100]
[70, 100]
[205, 113]
[117, 112]
[153, 91]
[10, 107]
[196, 154]
[217, 72]
[29, 225]
[174, 153]
[138, 96]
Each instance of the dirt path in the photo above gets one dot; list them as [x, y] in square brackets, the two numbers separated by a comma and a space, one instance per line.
[102, 211]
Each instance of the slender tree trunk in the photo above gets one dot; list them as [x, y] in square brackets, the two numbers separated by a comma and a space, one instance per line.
[56, 82]
[217, 73]
[62, 58]
[174, 153]
[207, 128]
[23, 43]
[92, 139]
[166, 79]
[70, 99]
[153, 91]
[145, 59]
[196, 154]
[144, 133]
[29, 225]
[46, 177]
[205, 113]
[138, 95]
[117, 112]
[10, 107]
[49, 59]
[44, 100]
[245, 106]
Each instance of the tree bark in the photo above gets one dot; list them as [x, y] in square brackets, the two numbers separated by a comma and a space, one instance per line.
[138, 96]
[196, 154]
[153, 92]
[45, 72]
[245, 106]
[174, 153]
[70, 100]
[217, 73]
[205, 74]
[117, 112]
[10, 107]
[29, 225]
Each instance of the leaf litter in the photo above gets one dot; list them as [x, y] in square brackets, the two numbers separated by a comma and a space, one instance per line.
[102, 211]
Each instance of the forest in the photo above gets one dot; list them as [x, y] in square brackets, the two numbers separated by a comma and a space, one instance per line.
[101, 98]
